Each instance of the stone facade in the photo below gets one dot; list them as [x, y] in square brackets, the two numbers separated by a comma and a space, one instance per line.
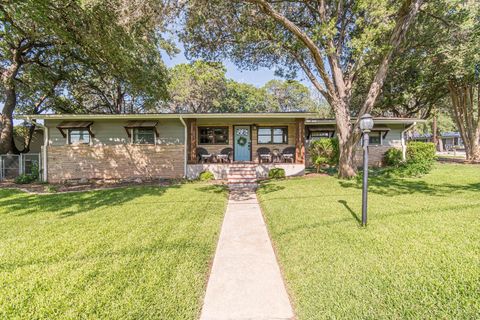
[375, 155]
[112, 162]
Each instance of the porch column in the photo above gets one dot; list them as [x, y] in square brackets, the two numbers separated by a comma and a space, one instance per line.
[192, 140]
[300, 140]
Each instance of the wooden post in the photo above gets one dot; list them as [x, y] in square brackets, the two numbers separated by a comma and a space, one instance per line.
[300, 140]
[192, 140]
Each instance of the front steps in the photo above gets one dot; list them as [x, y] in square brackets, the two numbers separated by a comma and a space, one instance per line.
[242, 177]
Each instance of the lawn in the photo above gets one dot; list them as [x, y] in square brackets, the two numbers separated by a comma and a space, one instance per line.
[419, 257]
[130, 253]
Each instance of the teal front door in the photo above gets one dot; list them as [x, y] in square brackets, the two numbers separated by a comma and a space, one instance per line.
[242, 143]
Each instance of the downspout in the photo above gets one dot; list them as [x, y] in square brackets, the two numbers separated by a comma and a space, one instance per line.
[45, 145]
[404, 146]
[184, 148]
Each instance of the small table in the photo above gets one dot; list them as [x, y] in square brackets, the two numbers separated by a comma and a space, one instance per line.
[222, 157]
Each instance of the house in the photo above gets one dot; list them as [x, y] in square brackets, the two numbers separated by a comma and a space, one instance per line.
[450, 140]
[169, 145]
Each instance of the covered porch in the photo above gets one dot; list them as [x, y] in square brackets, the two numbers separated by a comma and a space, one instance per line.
[215, 143]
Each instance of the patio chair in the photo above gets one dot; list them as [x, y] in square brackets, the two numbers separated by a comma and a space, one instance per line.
[264, 154]
[288, 154]
[277, 155]
[228, 152]
[203, 155]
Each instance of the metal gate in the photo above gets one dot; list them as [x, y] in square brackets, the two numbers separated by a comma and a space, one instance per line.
[13, 165]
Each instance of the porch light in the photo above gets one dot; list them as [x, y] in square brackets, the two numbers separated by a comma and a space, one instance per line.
[366, 125]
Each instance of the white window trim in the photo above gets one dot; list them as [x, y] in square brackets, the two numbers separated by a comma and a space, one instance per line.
[67, 139]
[143, 144]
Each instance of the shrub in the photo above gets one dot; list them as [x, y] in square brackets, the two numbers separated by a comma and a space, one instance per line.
[421, 157]
[50, 188]
[25, 178]
[324, 152]
[205, 176]
[393, 157]
[276, 173]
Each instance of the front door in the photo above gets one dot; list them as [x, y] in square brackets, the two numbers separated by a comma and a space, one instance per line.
[242, 143]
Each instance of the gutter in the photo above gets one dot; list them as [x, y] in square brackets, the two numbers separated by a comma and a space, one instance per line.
[404, 146]
[184, 148]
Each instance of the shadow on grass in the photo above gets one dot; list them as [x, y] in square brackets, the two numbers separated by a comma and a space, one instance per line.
[354, 215]
[269, 186]
[391, 186]
[70, 204]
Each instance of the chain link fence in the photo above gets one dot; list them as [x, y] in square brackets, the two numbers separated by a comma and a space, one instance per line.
[13, 165]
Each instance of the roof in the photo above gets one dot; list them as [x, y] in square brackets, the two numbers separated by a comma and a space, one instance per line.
[446, 134]
[152, 116]
[376, 120]
[141, 124]
[74, 124]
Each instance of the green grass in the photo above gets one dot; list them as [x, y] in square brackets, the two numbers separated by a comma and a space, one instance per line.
[130, 253]
[419, 257]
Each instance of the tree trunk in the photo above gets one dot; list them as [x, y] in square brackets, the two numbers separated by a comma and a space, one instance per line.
[346, 142]
[434, 130]
[466, 117]
[6, 133]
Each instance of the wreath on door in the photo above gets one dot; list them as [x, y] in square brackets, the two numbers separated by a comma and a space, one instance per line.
[242, 141]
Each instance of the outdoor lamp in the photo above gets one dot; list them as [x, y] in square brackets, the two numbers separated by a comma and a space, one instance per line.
[366, 125]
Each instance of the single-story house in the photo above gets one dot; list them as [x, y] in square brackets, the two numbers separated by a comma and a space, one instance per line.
[450, 140]
[176, 145]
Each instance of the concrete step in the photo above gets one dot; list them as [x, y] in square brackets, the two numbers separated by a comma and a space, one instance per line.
[242, 175]
[242, 186]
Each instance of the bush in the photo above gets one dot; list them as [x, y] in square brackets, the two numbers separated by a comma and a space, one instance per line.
[324, 152]
[276, 173]
[421, 157]
[206, 176]
[393, 157]
[25, 178]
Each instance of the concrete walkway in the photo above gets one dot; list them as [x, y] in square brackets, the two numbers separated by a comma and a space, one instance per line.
[245, 282]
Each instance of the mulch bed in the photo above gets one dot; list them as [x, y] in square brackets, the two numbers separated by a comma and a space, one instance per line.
[455, 160]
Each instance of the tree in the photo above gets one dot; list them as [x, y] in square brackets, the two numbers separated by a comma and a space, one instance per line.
[244, 97]
[197, 87]
[289, 96]
[332, 42]
[48, 46]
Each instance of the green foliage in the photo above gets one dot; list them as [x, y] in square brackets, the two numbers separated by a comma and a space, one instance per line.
[324, 152]
[276, 173]
[393, 157]
[50, 188]
[206, 176]
[421, 157]
[26, 178]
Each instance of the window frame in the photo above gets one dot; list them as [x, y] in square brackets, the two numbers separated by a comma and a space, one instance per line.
[132, 136]
[272, 129]
[199, 135]
[69, 133]
[380, 135]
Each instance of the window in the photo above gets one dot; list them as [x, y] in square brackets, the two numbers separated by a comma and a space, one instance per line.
[78, 136]
[143, 136]
[315, 135]
[375, 138]
[272, 135]
[213, 135]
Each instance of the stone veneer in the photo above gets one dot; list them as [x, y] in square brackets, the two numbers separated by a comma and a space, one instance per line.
[375, 156]
[111, 162]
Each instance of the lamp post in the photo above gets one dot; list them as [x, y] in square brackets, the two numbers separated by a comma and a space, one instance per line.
[366, 124]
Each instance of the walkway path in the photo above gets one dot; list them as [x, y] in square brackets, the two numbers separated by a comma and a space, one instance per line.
[245, 282]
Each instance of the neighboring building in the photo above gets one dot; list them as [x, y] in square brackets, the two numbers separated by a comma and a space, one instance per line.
[149, 146]
[450, 140]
